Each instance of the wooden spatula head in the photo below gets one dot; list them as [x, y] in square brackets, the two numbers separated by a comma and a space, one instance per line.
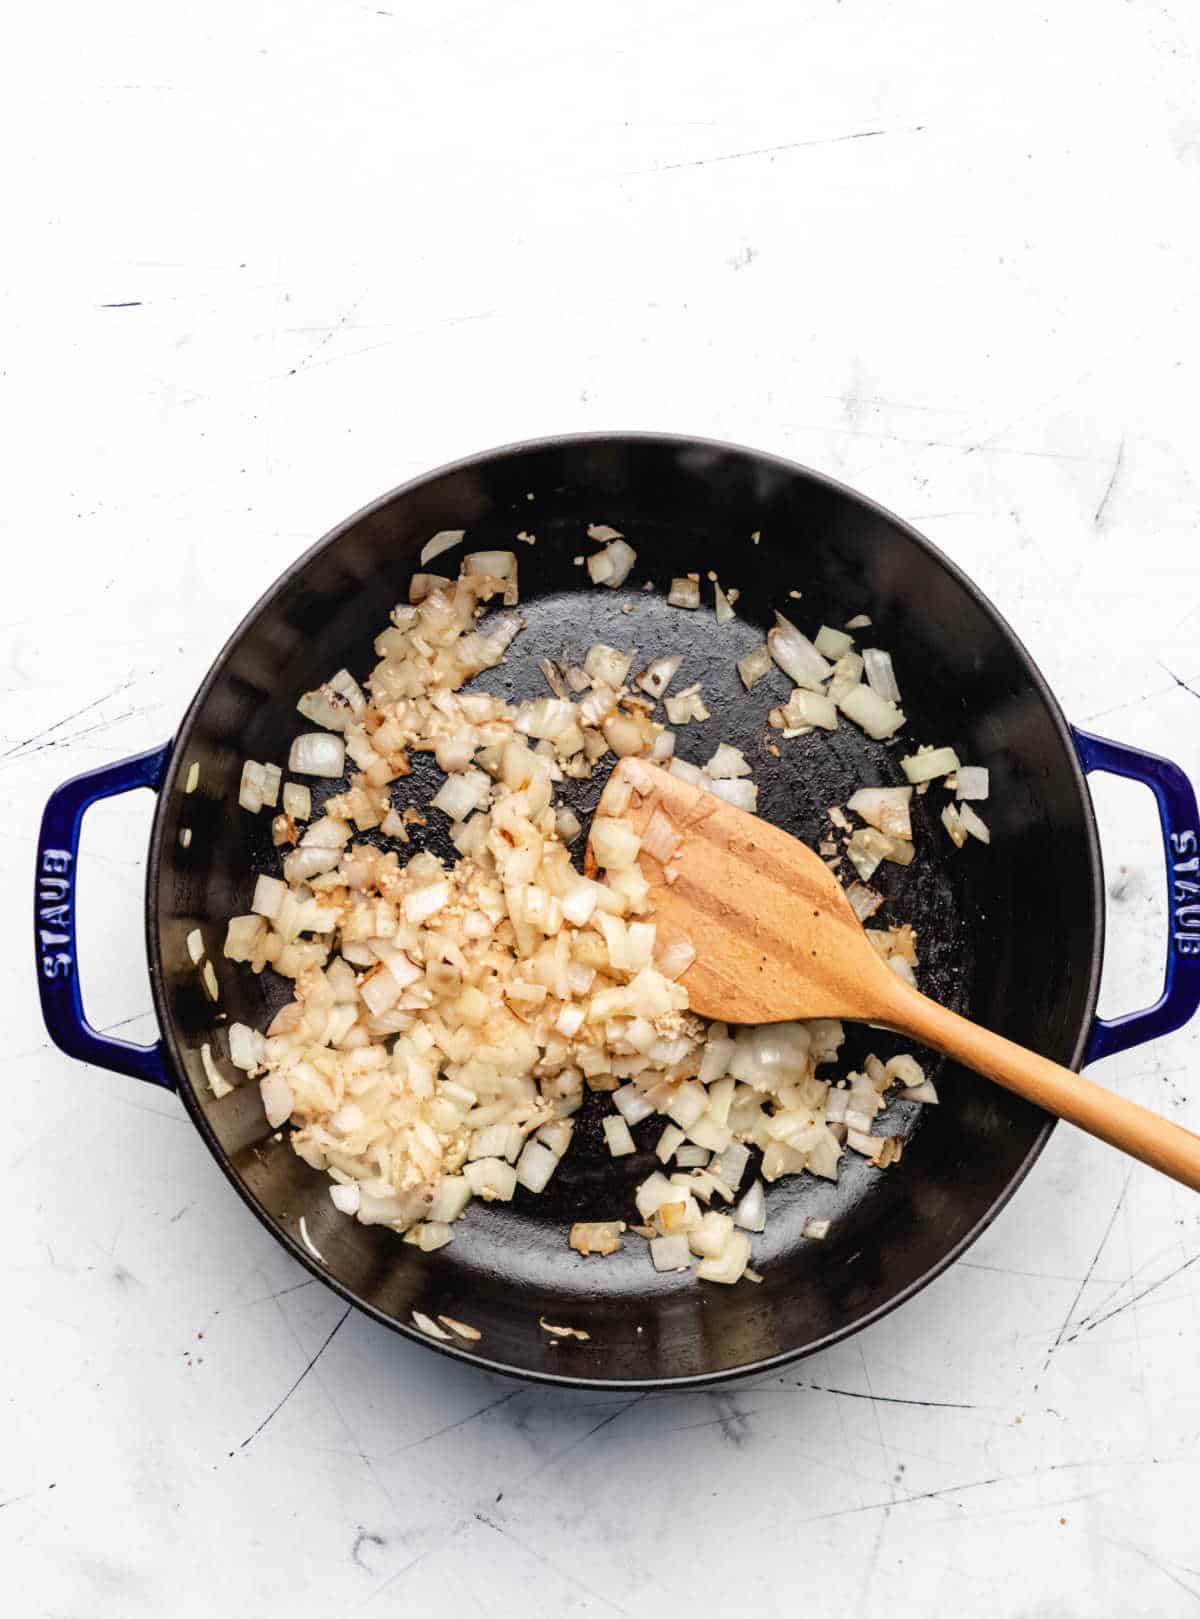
[775, 937]
[774, 934]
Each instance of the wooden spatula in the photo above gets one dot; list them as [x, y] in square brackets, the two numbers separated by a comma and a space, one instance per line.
[775, 938]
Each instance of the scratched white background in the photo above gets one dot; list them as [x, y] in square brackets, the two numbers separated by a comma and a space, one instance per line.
[264, 262]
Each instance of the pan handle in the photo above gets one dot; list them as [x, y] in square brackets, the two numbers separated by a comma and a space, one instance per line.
[54, 917]
[1181, 843]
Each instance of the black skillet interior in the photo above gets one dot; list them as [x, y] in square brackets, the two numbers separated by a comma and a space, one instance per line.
[1009, 935]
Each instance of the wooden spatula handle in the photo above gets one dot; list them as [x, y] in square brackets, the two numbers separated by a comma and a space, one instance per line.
[1156, 1141]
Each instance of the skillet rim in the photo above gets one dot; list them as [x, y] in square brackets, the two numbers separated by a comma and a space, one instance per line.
[674, 442]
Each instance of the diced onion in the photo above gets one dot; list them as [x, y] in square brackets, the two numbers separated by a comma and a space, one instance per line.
[952, 821]
[612, 566]
[614, 843]
[886, 808]
[831, 643]
[690, 1156]
[881, 676]
[751, 1212]
[616, 1134]
[730, 1264]
[596, 1236]
[535, 1166]
[492, 1179]
[973, 824]
[877, 717]
[742, 795]
[500, 565]
[754, 665]
[727, 763]
[684, 593]
[686, 705]
[217, 1083]
[425, 1324]
[796, 655]
[676, 958]
[972, 782]
[346, 1198]
[317, 753]
[632, 1104]
[657, 676]
[297, 801]
[444, 540]
[668, 1143]
[864, 901]
[277, 1099]
[807, 708]
[671, 1253]
[927, 764]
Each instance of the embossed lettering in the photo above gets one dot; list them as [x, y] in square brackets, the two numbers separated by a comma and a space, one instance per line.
[57, 862]
[1188, 944]
[1182, 842]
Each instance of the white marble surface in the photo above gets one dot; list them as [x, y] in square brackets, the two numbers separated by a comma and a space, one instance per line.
[264, 262]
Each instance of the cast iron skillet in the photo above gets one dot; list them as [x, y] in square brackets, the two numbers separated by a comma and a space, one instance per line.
[1010, 935]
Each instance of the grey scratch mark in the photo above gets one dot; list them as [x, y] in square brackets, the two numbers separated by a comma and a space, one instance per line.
[173, 1115]
[744, 257]
[772, 151]
[962, 1489]
[558, 1455]
[267, 1298]
[276, 1409]
[38, 736]
[715, 1422]
[889, 1399]
[451, 1427]
[1133, 702]
[398, 1575]
[1033, 410]
[862, 1355]
[45, 742]
[734, 1422]
[570, 1579]
[125, 1021]
[1108, 488]
[943, 444]
[1087, 1278]
[1176, 678]
[384, 343]
[1119, 1309]
[130, 303]
[181, 1212]
[122, 1275]
[365, 1537]
[330, 333]
[1155, 1564]
[1146, 1264]
[879, 403]
[14, 1500]
[1032, 1275]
